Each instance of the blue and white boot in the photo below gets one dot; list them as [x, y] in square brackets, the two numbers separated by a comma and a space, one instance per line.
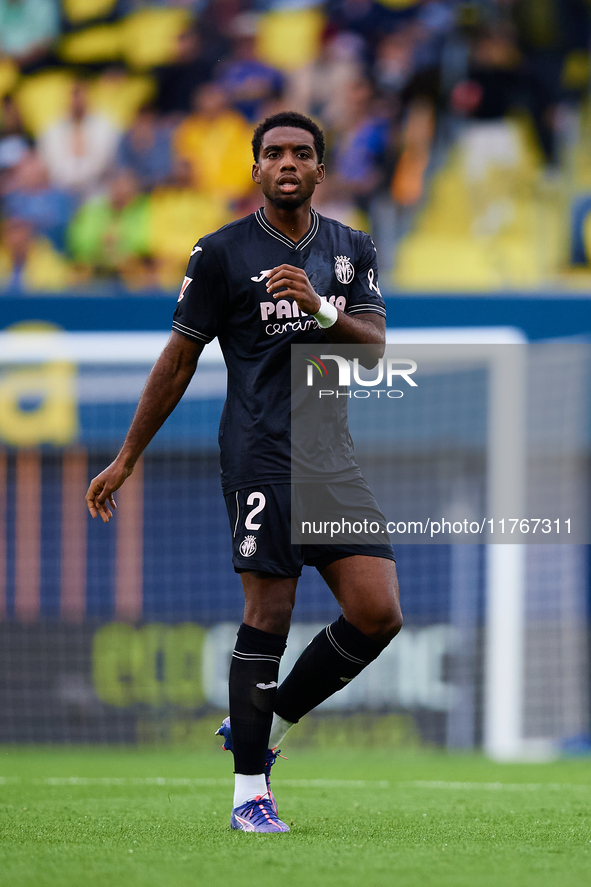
[257, 815]
[272, 755]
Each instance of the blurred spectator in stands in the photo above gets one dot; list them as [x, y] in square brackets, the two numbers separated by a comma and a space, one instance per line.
[415, 142]
[433, 21]
[146, 149]
[14, 143]
[108, 237]
[317, 89]
[361, 142]
[554, 35]
[249, 82]
[499, 82]
[215, 140]
[29, 196]
[375, 19]
[29, 262]
[215, 20]
[27, 29]
[79, 149]
[365, 17]
[328, 201]
[179, 216]
[408, 61]
[177, 81]
[395, 61]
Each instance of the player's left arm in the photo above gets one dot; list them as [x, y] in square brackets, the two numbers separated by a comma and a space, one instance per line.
[286, 281]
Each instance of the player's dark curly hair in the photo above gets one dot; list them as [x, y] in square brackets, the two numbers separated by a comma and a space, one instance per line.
[288, 118]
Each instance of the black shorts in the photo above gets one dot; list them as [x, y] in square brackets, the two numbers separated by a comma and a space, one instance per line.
[260, 518]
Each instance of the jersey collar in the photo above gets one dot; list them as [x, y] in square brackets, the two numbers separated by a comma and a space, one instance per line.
[273, 232]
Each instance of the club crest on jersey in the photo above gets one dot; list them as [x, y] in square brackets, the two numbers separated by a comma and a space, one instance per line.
[186, 283]
[344, 269]
[248, 546]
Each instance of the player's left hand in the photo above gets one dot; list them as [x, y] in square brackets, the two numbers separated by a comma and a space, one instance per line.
[286, 281]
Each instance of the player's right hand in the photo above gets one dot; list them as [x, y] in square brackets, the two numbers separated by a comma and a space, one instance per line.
[101, 489]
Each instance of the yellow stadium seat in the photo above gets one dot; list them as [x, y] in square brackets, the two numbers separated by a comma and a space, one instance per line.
[436, 262]
[516, 261]
[218, 152]
[149, 36]
[102, 43]
[178, 217]
[398, 4]
[45, 269]
[440, 262]
[119, 96]
[84, 10]
[43, 98]
[575, 71]
[587, 236]
[501, 231]
[8, 76]
[290, 38]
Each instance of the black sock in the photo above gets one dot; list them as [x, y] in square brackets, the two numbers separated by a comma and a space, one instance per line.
[253, 687]
[333, 658]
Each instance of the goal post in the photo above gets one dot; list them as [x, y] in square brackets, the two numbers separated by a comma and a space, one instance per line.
[512, 727]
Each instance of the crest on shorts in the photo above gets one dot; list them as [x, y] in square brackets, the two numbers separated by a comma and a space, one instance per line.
[343, 269]
[248, 546]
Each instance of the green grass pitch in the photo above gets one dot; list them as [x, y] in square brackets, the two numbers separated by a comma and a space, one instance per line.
[105, 818]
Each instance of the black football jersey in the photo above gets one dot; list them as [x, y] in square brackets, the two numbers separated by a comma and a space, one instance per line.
[224, 294]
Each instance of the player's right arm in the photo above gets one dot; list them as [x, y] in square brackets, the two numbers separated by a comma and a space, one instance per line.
[164, 387]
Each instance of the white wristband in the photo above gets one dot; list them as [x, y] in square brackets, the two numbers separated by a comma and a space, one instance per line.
[327, 315]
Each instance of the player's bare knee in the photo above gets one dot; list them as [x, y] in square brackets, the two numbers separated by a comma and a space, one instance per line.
[273, 616]
[280, 617]
[383, 626]
[391, 626]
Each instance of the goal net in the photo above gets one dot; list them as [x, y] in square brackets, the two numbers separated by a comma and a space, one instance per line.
[123, 633]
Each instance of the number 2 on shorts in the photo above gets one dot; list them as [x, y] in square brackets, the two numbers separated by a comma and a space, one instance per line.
[261, 502]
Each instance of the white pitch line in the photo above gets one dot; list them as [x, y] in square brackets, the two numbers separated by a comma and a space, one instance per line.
[335, 783]
[205, 782]
[179, 781]
[184, 781]
[131, 780]
[496, 786]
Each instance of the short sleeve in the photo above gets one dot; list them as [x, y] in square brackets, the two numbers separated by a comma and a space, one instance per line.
[364, 294]
[203, 299]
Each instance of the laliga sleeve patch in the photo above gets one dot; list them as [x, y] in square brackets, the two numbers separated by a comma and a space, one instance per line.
[186, 282]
